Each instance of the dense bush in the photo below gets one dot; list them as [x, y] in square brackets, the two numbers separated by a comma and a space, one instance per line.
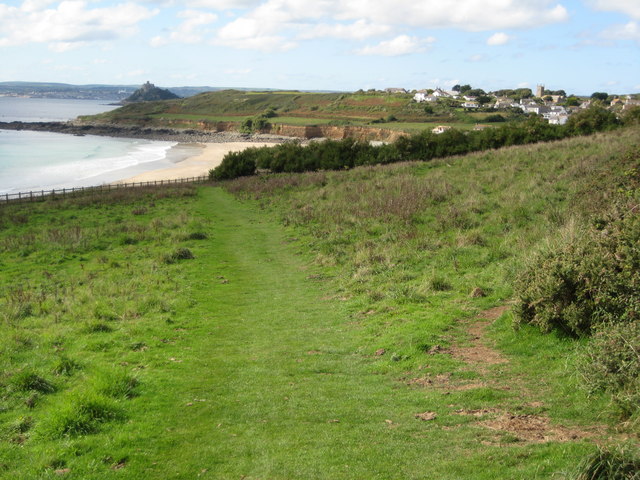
[610, 464]
[594, 119]
[234, 165]
[589, 278]
[348, 153]
[496, 117]
[611, 363]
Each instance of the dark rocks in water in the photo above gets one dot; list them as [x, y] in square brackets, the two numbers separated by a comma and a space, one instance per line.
[135, 131]
[150, 93]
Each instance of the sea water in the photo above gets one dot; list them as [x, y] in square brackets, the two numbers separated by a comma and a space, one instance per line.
[34, 161]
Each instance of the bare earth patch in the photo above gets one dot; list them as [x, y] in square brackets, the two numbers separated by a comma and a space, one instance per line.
[478, 354]
[525, 428]
[444, 381]
[534, 429]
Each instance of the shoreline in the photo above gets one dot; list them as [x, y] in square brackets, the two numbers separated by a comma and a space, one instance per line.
[193, 154]
[146, 133]
[197, 165]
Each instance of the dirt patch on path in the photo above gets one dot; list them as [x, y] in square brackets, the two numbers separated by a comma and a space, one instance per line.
[478, 354]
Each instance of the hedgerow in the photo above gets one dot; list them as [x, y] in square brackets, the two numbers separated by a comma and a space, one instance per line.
[349, 153]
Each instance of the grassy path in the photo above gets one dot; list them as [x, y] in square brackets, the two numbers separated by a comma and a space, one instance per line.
[285, 394]
[263, 376]
[273, 386]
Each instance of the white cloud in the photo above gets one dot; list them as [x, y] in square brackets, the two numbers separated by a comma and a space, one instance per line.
[358, 30]
[472, 15]
[628, 7]
[280, 24]
[498, 38]
[68, 24]
[251, 33]
[189, 31]
[222, 4]
[629, 31]
[401, 45]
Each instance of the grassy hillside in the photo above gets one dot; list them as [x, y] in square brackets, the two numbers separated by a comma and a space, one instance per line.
[398, 111]
[325, 325]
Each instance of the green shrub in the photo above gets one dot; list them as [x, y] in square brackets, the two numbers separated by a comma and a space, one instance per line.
[611, 363]
[610, 464]
[589, 277]
[235, 164]
[496, 117]
[347, 153]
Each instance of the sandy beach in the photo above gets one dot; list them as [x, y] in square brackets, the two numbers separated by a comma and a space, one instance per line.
[210, 157]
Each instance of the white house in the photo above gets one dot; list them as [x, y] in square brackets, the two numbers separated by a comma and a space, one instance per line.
[504, 102]
[440, 129]
[395, 90]
[423, 97]
[532, 107]
[438, 92]
[630, 103]
[558, 119]
[471, 105]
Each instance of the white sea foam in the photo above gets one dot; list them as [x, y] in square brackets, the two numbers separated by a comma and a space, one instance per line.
[33, 161]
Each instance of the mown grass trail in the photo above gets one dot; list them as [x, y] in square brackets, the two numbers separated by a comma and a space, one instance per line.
[263, 373]
[272, 384]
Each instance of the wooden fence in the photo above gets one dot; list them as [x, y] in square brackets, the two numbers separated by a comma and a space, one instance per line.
[41, 195]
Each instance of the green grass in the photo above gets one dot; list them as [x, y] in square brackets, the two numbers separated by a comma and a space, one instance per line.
[260, 356]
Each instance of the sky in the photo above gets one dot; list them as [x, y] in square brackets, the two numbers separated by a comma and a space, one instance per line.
[580, 46]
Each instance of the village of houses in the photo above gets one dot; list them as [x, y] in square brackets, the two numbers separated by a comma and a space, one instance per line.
[552, 108]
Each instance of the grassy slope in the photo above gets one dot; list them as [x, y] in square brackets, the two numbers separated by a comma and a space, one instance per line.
[293, 108]
[251, 364]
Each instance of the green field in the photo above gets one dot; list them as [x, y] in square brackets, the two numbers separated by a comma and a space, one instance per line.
[378, 110]
[307, 326]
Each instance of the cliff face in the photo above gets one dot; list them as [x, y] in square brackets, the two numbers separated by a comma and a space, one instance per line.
[304, 132]
[336, 132]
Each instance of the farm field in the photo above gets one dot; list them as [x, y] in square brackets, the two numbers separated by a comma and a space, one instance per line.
[375, 110]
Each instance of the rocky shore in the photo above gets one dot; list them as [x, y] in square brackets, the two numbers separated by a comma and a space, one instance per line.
[165, 134]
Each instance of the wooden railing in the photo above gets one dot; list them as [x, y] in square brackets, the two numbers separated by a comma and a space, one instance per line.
[40, 195]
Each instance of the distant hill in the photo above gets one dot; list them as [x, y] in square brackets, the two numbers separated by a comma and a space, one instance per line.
[150, 93]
